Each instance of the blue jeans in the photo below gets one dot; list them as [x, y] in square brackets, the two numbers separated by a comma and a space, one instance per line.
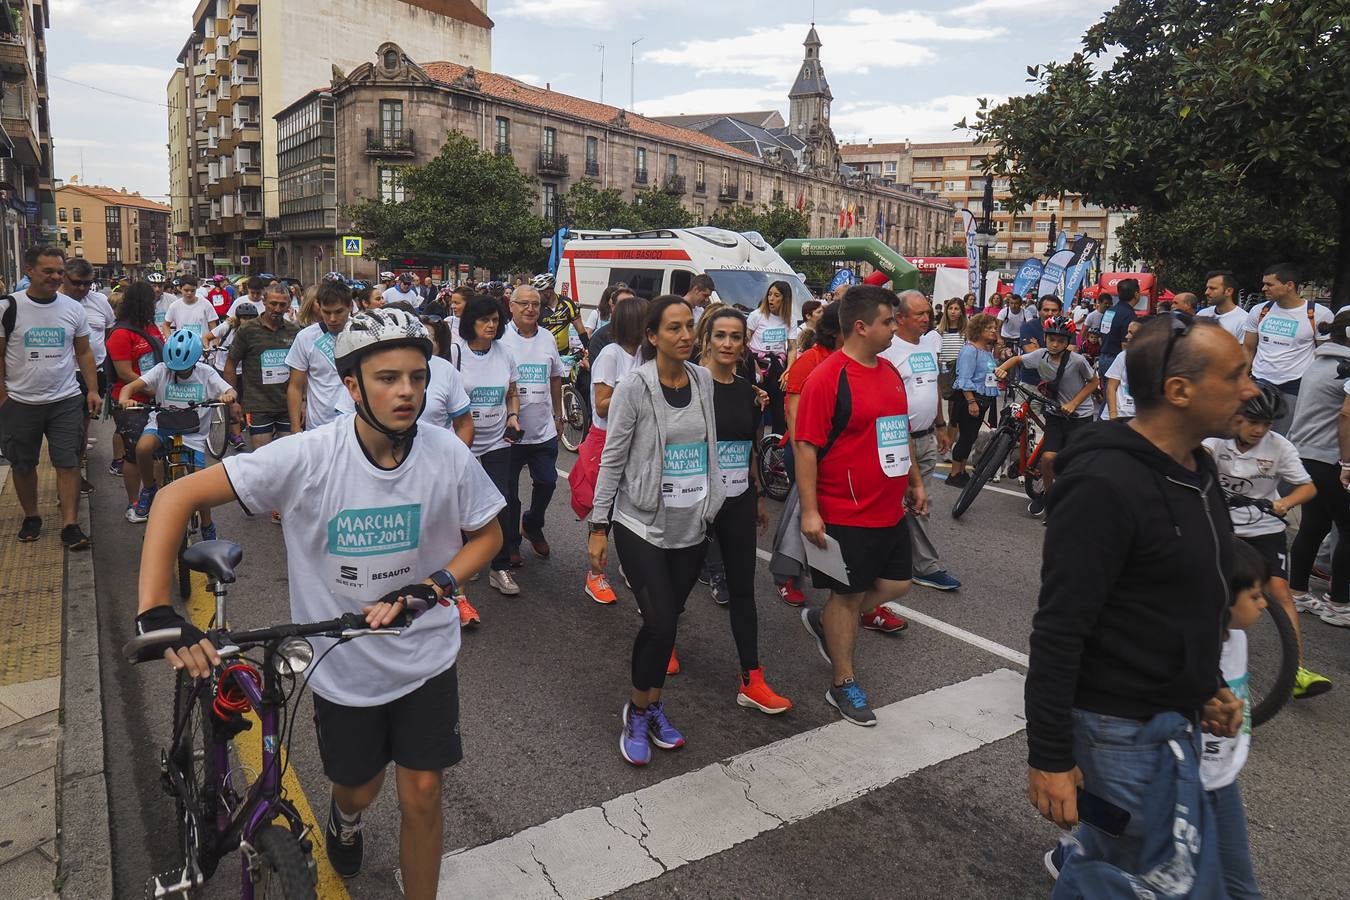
[1118, 769]
[1234, 847]
[542, 460]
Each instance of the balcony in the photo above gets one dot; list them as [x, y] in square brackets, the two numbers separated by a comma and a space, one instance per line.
[380, 142]
[700, 187]
[640, 176]
[13, 58]
[27, 151]
[729, 192]
[502, 148]
[246, 42]
[749, 195]
[243, 87]
[675, 185]
[250, 176]
[552, 163]
[593, 168]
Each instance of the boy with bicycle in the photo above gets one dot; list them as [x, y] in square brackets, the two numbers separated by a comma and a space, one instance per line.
[180, 380]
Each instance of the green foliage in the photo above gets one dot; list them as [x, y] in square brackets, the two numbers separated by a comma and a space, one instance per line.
[1172, 102]
[952, 249]
[589, 207]
[463, 202]
[655, 208]
[776, 222]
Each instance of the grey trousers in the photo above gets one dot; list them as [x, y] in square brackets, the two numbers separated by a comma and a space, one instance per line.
[926, 559]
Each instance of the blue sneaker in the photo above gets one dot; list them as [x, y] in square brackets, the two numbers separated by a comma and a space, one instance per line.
[663, 734]
[141, 511]
[938, 581]
[1056, 858]
[209, 532]
[634, 744]
[851, 701]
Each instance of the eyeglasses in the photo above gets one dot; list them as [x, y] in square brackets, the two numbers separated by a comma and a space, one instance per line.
[1181, 326]
[524, 305]
[81, 282]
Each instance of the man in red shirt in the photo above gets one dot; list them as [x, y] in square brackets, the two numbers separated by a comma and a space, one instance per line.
[853, 454]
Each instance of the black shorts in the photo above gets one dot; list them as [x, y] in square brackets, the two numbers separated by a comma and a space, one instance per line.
[24, 425]
[1274, 549]
[1058, 430]
[869, 554]
[418, 731]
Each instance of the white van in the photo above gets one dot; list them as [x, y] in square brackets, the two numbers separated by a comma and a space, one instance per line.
[665, 261]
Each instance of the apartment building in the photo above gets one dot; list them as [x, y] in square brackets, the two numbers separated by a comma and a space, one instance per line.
[180, 174]
[117, 231]
[242, 62]
[346, 143]
[27, 207]
[954, 170]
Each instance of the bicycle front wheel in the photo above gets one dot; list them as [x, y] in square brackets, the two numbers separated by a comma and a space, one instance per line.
[286, 869]
[991, 459]
[576, 418]
[1272, 652]
[218, 438]
[773, 468]
[192, 773]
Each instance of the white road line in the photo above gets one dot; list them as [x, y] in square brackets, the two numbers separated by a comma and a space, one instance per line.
[639, 836]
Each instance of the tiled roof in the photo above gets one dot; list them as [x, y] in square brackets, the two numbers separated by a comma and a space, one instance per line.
[464, 10]
[763, 118]
[114, 197]
[503, 87]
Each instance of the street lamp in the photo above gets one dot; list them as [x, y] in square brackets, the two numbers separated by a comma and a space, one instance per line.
[985, 234]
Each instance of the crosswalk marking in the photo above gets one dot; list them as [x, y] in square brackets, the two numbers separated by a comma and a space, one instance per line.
[642, 835]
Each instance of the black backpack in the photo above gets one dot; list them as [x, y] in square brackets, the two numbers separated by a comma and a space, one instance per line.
[156, 347]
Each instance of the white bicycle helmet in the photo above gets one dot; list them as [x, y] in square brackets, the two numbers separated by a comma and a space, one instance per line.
[378, 329]
[334, 276]
[155, 278]
[542, 282]
[386, 276]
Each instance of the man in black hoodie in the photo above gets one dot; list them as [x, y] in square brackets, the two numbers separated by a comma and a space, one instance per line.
[1134, 589]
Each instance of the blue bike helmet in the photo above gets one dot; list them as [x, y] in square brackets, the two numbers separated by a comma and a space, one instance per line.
[182, 350]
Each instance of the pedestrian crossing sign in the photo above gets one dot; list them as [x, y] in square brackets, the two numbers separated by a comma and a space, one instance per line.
[351, 246]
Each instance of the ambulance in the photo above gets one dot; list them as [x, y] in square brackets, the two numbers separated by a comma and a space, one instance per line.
[665, 261]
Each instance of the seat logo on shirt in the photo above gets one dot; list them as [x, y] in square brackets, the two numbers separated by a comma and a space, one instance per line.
[45, 337]
[376, 531]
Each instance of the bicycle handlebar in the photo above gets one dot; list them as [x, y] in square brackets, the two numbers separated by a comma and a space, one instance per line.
[1238, 501]
[348, 626]
[191, 404]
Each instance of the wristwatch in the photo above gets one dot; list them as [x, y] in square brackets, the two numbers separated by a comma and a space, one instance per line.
[444, 580]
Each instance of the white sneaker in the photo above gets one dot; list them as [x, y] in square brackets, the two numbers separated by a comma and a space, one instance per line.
[1337, 614]
[1310, 602]
[624, 576]
[502, 581]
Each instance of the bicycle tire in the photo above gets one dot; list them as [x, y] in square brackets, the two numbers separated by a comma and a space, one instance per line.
[287, 868]
[576, 418]
[1282, 688]
[220, 423]
[991, 459]
[1033, 482]
[193, 754]
[773, 467]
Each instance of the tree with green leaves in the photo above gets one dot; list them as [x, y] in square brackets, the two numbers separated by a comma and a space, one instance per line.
[464, 202]
[775, 222]
[1171, 103]
[587, 206]
[655, 208]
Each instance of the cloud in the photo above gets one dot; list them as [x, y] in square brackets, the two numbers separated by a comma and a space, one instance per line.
[145, 23]
[536, 80]
[1032, 7]
[593, 13]
[929, 120]
[712, 100]
[866, 39]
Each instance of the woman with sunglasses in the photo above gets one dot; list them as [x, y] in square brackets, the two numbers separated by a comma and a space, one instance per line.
[659, 488]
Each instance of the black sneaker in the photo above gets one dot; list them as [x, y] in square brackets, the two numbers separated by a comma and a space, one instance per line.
[343, 842]
[851, 701]
[74, 538]
[86, 486]
[959, 480]
[811, 619]
[1036, 506]
[30, 528]
[717, 585]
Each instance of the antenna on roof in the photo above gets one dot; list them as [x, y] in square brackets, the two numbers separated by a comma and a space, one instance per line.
[601, 47]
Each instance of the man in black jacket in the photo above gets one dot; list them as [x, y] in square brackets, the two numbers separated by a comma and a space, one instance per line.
[1134, 590]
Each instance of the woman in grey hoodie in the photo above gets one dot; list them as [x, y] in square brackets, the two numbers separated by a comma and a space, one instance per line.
[659, 488]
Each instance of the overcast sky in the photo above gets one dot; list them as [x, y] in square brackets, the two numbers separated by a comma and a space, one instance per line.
[897, 69]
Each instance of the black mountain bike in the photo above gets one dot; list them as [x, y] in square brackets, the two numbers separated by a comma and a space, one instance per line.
[1021, 428]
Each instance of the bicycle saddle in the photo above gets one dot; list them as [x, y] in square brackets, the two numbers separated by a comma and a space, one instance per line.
[216, 558]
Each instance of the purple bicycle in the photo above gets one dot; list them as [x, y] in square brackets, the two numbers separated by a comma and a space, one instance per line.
[219, 808]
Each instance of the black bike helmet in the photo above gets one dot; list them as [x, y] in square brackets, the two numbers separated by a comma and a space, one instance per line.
[1058, 325]
[1265, 406]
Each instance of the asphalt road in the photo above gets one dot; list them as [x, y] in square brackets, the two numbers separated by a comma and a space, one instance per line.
[543, 680]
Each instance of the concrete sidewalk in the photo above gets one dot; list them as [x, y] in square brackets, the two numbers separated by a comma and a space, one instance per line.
[54, 838]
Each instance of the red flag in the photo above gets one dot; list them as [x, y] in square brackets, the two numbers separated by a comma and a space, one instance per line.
[801, 200]
[843, 217]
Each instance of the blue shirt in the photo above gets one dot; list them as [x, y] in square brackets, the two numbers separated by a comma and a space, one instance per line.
[1115, 322]
[1033, 332]
[973, 368]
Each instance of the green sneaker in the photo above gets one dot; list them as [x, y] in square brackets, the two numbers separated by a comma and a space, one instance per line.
[1309, 684]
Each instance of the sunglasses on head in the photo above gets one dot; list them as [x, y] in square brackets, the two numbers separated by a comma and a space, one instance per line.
[1181, 326]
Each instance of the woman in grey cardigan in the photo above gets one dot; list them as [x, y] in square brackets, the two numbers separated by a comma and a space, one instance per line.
[659, 488]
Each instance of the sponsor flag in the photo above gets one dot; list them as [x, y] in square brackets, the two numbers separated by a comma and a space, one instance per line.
[1028, 276]
[1078, 267]
[1053, 273]
[1061, 240]
[842, 277]
[972, 253]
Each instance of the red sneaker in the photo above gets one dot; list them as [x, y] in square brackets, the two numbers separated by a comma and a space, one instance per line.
[756, 694]
[673, 667]
[883, 620]
[789, 594]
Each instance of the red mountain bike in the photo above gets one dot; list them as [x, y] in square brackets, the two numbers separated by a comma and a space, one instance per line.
[1021, 428]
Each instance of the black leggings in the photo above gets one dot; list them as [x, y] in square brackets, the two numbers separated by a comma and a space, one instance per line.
[772, 374]
[662, 580]
[734, 550]
[1330, 506]
[968, 425]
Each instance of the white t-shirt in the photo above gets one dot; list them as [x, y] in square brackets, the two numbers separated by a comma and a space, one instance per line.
[312, 353]
[1012, 322]
[101, 317]
[446, 399]
[202, 291]
[918, 366]
[537, 364]
[199, 317]
[394, 295]
[40, 361]
[1124, 399]
[202, 384]
[1234, 321]
[768, 333]
[591, 319]
[220, 353]
[355, 532]
[1285, 341]
[162, 308]
[1223, 757]
[1257, 474]
[486, 380]
[612, 364]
